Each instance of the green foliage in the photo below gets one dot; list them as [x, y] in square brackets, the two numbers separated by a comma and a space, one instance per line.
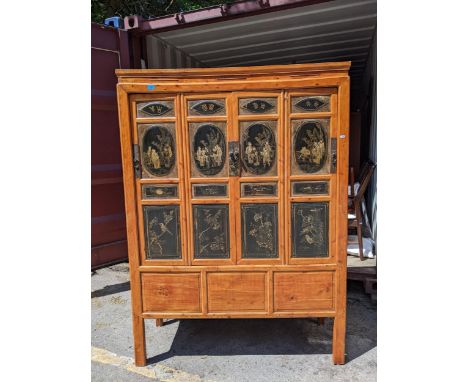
[101, 9]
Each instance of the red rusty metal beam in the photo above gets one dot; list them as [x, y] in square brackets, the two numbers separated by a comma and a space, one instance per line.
[217, 13]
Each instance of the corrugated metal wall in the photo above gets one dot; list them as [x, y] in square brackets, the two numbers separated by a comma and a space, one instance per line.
[163, 55]
[109, 51]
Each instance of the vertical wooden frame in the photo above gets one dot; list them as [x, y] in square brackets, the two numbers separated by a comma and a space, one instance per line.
[191, 201]
[131, 220]
[332, 178]
[179, 179]
[339, 324]
[278, 178]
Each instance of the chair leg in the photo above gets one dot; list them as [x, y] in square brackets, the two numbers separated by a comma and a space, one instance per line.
[357, 211]
[159, 322]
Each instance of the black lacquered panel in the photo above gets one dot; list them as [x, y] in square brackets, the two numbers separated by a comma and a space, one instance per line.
[162, 232]
[154, 109]
[310, 104]
[258, 189]
[207, 107]
[211, 231]
[310, 147]
[259, 230]
[150, 191]
[208, 149]
[309, 227]
[258, 148]
[209, 190]
[310, 188]
[158, 150]
[258, 105]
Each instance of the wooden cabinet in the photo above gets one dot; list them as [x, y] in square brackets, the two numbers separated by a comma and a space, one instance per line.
[236, 193]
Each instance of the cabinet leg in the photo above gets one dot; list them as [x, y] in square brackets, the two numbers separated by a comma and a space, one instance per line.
[159, 322]
[339, 332]
[139, 341]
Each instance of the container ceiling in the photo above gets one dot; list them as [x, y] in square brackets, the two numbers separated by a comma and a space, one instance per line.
[338, 30]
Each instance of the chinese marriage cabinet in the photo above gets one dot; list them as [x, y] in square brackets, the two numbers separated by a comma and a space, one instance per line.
[236, 193]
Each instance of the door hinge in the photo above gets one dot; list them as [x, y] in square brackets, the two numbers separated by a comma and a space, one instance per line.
[234, 159]
[333, 156]
[136, 161]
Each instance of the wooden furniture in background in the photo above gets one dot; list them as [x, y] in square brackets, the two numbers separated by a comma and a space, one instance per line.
[355, 215]
[236, 193]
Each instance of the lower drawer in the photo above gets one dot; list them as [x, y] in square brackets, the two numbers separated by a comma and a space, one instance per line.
[171, 292]
[303, 291]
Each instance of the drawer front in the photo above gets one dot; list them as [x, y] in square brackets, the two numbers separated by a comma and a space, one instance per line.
[237, 291]
[163, 292]
[303, 291]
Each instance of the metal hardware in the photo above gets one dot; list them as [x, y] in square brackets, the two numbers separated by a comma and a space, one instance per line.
[136, 161]
[333, 156]
[234, 158]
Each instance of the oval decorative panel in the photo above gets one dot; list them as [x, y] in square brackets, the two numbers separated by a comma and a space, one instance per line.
[155, 108]
[258, 148]
[158, 151]
[209, 149]
[310, 146]
[257, 105]
[206, 107]
[310, 104]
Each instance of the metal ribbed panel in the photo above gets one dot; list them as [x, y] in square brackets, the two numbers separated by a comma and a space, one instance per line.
[337, 30]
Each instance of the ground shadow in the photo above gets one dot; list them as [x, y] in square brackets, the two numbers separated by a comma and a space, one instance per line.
[277, 336]
[111, 289]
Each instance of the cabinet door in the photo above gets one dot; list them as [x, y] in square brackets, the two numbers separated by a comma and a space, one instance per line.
[210, 204]
[259, 185]
[159, 184]
[311, 136]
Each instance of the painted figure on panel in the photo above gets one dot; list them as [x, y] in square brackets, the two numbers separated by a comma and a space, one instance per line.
[209, 149]
[310, 147]
[158, 151]
[259, 148]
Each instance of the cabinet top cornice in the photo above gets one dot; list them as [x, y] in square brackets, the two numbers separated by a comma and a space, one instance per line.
[236, 72]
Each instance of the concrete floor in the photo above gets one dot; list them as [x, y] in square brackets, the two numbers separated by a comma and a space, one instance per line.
[278, 350]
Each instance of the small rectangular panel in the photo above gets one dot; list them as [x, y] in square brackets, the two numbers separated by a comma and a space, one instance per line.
[236, 291]
[309, 229]
[259, 231]
[258, 189]
[151, 191]
[211, 231]
[158, 150]
[303, 291]
[165, 292]
[258, 105]
[258, 148]
[209, 190]
[310, 188]
[310, 104]
[310, 146]
[162, 232]
[208, 149]
[207, 107]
